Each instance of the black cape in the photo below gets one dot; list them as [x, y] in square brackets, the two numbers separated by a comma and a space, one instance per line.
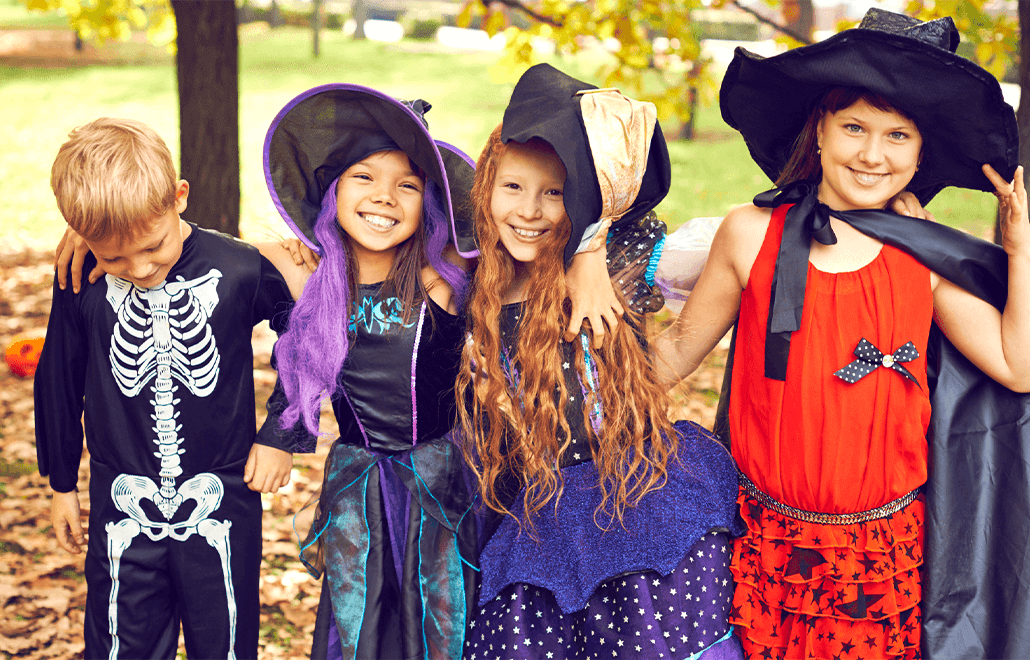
[976, 576]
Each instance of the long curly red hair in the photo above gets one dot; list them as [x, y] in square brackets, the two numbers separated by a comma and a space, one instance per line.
[513, 425]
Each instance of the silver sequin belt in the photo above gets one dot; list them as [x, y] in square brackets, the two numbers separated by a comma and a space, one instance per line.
[888, 509]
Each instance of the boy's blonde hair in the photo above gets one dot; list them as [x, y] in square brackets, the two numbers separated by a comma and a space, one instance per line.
[113, 177]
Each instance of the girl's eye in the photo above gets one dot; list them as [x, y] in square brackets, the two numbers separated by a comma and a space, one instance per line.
[853, 128]
[899, 135]
[511, 186]
[555, 192]
[411, 186]
[362, 176]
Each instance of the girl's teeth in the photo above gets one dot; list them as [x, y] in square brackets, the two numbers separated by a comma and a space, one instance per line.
[379, 221]
[528, 233]
[868, 178]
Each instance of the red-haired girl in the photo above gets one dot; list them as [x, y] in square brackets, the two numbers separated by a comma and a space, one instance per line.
[606, 525]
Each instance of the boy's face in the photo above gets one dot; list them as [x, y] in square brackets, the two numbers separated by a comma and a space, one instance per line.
[146, 259]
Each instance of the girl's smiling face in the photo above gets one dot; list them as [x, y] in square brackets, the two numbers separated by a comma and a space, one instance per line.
[379, 204]
[526, 202]
[868, 156]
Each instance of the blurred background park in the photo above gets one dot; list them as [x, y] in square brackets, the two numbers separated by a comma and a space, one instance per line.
[50, 83]
[210, 75]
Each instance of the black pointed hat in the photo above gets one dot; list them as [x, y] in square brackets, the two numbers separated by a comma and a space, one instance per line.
[957, 106]
[325, 130]
[548, 104]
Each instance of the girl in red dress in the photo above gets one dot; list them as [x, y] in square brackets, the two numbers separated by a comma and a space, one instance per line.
[834, 299]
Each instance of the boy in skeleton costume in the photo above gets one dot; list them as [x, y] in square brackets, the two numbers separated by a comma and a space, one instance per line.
[157, 354]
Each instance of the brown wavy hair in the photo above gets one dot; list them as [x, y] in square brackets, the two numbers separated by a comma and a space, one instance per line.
[511, 424]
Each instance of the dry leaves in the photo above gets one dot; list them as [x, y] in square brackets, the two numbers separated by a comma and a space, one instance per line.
[42, 588]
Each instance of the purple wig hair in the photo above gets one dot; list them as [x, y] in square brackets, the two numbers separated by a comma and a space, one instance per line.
[311, 353]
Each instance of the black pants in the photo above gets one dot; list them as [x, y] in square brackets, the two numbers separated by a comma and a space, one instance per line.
[169, 581]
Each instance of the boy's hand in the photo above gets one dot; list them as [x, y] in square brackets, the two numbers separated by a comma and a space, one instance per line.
[65, 517]
[267, 469]
[301, 253]
[591, 291]
[73, 250]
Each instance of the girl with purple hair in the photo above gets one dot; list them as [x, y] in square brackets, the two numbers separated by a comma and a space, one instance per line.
[376, 330]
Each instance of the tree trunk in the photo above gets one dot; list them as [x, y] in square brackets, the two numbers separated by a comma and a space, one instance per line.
[360, 15]
[208, 77]
[799, 15]
[316, 24]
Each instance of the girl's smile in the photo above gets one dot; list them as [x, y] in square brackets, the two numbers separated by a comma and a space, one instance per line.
[379, 206]
[868, 156]
[526, 202]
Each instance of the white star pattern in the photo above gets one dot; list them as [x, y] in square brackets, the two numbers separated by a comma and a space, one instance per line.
[612, 616]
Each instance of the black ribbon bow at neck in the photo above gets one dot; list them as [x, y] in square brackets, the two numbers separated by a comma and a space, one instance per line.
[871, 358]
[975, 265]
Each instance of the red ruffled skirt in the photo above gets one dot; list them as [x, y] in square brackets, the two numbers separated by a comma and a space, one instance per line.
[843, 592]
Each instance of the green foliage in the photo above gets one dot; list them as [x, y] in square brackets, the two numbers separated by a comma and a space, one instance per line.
[424, 29]
[710, 175]
[628, 29]
[993, 35]
[115, 20]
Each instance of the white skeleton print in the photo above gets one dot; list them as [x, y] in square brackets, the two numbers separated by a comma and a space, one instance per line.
[163, 336]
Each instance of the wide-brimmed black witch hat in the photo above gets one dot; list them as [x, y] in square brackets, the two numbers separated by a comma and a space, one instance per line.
[548, 104]
[326, 129]
[957, 106]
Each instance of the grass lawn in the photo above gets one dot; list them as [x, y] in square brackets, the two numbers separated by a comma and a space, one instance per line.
[467, 91]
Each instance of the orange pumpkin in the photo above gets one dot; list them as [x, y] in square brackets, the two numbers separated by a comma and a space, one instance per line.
[22, 353]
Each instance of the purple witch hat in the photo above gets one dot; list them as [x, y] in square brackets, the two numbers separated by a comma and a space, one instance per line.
[326, 129]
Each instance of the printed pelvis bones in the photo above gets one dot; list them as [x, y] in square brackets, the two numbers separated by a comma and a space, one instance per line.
[162, 337]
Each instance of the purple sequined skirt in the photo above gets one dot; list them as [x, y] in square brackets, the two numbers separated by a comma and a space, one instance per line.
[639, 615]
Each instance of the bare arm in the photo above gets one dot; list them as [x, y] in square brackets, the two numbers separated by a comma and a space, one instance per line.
[714, 304]
[296, 274]
[998, 343]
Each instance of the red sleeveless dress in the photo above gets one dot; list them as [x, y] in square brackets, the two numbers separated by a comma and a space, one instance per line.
[818, 443]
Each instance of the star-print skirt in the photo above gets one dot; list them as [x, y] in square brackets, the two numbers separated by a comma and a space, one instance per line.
[645, 615]
[806, 590]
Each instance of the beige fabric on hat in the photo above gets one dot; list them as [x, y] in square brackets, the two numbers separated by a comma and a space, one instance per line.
[619, 132]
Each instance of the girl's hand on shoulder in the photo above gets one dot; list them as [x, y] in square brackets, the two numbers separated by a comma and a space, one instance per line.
[1012, 209]
[291, 264]
[907, 204]
[438, 289]
[590, 289]
[72, 250]
[302, 255]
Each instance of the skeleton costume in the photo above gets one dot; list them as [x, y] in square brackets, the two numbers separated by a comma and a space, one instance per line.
[165, 379]
[390, 535]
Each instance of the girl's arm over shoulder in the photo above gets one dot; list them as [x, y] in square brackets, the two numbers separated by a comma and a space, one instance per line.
[439, 290]
[286, 262]
[998, 343]
[714, 304]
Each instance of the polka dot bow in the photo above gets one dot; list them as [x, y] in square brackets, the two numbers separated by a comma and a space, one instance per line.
[870, 357]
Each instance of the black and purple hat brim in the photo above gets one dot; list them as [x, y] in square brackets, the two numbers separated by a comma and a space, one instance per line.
[958, 106]
[545, 105]
[325, 130]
